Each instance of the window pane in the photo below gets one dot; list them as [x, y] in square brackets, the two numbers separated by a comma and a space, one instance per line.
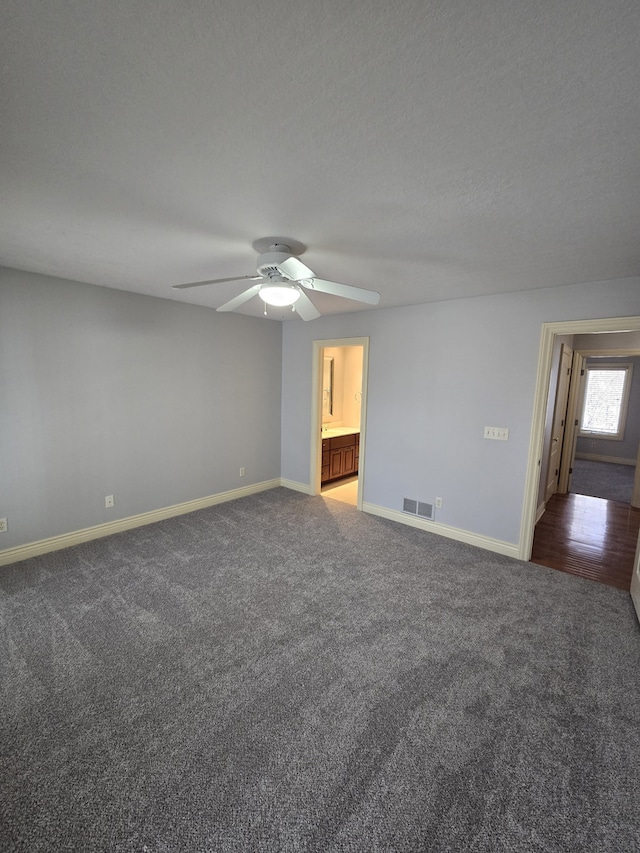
[603, 400]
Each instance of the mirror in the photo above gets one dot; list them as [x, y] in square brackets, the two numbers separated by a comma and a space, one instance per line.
[327, 385]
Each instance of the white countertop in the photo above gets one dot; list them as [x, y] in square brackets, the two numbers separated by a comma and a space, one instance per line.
[335, 431]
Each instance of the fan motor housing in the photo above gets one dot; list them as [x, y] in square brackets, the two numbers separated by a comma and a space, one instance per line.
[269, 262]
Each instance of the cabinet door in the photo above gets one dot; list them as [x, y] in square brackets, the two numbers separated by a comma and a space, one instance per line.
[336, 463]
[326, 451]
[349, 460]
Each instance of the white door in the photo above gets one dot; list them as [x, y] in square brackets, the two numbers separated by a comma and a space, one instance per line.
[635, 498]
[559, 422]
[574, 408]
[635, 580]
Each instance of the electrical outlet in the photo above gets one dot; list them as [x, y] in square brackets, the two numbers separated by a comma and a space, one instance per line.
[438, 503]
[108, 501]
[242, 472]
[3, 525]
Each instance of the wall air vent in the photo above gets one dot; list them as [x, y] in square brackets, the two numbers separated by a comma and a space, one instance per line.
[425, 510]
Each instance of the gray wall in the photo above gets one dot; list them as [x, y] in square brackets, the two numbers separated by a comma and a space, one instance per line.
[157, 402]
[107, 392]
[438, 374]
[628, 447]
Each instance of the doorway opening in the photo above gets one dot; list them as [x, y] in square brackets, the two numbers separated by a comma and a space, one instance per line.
[585, 535]
[338, 419]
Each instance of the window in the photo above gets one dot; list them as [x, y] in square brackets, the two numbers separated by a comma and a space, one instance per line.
[606, 393]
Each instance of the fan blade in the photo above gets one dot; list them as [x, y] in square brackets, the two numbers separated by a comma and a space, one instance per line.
[359, 294]
[294, 269]
[237, 301]
[305, 307]
[217, 281]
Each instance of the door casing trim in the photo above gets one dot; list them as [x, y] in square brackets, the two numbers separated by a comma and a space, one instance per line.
[315, 472]
[548, 333]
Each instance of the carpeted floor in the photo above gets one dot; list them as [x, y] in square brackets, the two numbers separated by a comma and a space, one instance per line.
[603, 480]
[283, 673]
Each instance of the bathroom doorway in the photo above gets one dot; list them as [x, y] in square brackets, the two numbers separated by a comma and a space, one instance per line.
[338, 419]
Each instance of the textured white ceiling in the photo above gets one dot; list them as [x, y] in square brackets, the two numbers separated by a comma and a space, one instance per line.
[428, 150]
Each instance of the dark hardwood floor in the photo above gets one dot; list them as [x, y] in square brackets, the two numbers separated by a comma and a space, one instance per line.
[590, 537]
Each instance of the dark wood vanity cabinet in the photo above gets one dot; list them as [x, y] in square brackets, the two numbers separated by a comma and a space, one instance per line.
[340, 456]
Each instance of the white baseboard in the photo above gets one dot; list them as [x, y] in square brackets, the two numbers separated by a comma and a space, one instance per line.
[486, 542]
[66, 540]
[541, 511]
[305, 488]
[596, 457]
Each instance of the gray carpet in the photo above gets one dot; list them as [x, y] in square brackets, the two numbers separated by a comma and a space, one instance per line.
[603, 480]
[283, 673]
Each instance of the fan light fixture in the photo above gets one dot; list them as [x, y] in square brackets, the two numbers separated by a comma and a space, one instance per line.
[279, 295]
[283, 281]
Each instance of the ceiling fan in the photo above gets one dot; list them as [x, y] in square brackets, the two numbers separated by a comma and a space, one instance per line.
[282, 281]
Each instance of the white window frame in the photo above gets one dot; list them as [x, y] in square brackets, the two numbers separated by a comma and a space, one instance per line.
[608, 436]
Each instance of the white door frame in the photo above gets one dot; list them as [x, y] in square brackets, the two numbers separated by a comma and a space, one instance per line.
[315, 474]
[635, 498]
[549, 331]
[635, 580]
